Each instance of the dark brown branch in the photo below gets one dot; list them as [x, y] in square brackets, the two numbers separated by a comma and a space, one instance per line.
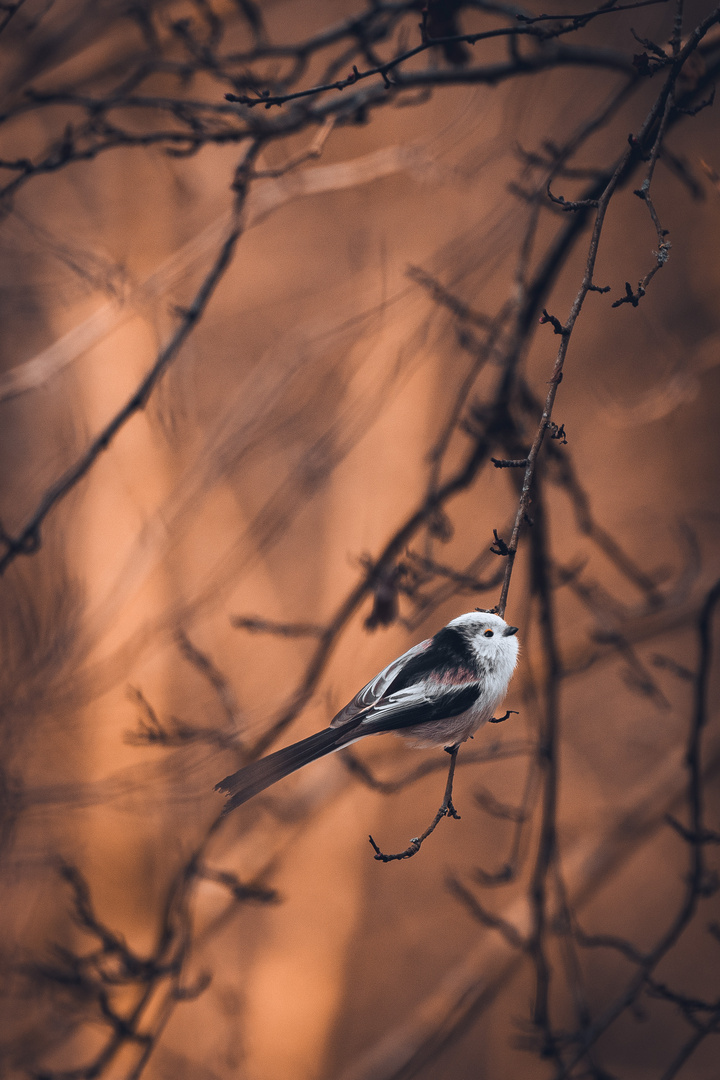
[658, 113]
[446, 810]
[696, 880]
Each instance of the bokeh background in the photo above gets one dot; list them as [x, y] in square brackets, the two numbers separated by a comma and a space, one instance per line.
[290, 438]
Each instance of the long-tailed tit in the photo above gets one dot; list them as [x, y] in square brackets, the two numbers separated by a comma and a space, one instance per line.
[436, 694]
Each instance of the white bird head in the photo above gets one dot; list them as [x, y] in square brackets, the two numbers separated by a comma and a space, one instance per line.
[493, 641]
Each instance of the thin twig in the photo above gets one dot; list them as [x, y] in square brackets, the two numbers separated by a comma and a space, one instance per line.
[446, 810]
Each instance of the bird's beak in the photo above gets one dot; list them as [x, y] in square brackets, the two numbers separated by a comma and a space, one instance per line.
[509, 631]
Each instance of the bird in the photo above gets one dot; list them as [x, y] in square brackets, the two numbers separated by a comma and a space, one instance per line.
[438, 693]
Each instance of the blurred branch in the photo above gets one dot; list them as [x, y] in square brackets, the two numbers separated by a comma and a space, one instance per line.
[467, 990]
[256, 625]
[698, 883]
[28, 540]
[652, 130]
[263, 198]
[220, 684]
[370, 60]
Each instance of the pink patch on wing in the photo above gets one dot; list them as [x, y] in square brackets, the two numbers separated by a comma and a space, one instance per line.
[456, 677]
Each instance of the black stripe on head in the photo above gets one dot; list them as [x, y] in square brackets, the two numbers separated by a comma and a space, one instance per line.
[449, 658]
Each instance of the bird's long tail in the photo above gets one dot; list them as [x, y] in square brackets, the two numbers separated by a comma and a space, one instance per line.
[254, 778]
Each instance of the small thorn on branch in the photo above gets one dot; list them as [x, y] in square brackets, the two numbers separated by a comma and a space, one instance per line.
[557, 326]
[652, 46]
[499, 547]
[630, 297]
[557, 433]
[704, 104]
[638, 147]
[507, 463]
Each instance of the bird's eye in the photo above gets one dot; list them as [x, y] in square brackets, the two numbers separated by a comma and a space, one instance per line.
[488, 633]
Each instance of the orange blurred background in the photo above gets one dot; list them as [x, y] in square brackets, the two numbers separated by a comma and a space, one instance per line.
[286, 443]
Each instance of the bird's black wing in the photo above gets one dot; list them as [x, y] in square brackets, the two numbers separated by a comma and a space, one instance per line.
[420, 703]
[446, 658]
[377, 688]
